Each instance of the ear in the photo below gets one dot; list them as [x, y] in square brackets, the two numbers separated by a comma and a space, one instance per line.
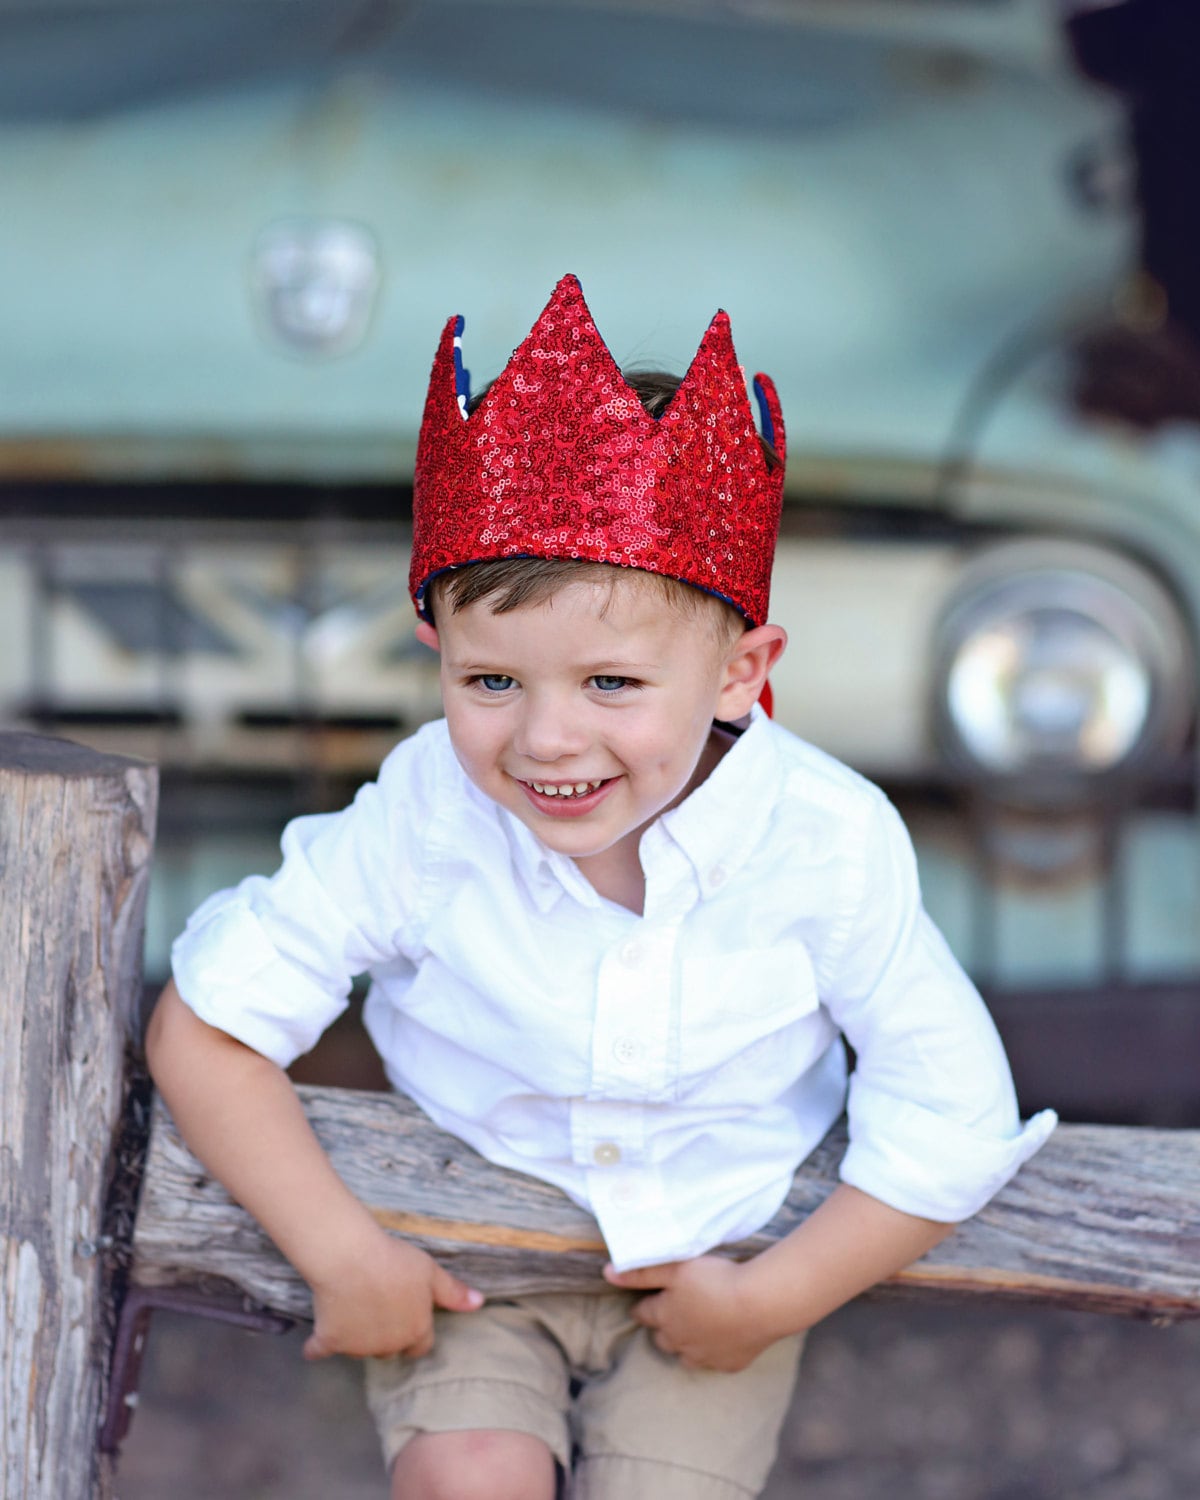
[751, 657]
[427, 635]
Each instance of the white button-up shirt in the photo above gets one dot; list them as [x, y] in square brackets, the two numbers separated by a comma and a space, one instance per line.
[668, 1071]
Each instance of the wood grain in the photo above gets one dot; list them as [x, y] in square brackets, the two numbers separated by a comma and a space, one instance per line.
[76, 830]
[1103, 1217]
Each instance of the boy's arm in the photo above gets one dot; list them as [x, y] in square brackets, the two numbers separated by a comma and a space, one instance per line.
[717, 1314]
[372, 1294]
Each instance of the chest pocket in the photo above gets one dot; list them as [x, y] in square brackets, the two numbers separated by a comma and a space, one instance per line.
[753, 1011]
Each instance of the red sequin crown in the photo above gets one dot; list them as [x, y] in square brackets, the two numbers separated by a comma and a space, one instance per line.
[560, 459]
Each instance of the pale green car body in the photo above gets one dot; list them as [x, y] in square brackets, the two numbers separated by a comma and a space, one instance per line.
[220, 290]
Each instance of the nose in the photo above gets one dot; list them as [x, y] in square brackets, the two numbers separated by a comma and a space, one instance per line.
[547, 729]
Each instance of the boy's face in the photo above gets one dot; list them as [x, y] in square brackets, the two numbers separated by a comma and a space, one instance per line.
[590, 714]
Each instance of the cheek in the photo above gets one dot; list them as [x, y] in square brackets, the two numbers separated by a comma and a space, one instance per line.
[472, 734]
[670, 751]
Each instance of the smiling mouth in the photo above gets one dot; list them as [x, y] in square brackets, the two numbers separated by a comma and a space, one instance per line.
[566, 789]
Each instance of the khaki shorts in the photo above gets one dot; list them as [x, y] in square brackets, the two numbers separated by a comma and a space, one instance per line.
[581, 1375]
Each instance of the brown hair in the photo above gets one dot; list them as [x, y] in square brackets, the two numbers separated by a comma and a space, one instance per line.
[510, 582]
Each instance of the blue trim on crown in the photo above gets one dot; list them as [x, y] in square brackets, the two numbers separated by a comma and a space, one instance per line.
[764, 413]
[462, 376]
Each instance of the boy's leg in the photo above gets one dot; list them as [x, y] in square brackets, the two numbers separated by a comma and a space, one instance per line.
[647, 1429]
[478, 1465]
[484, 1414]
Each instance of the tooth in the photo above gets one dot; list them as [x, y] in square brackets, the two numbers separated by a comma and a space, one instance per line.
[567, 789]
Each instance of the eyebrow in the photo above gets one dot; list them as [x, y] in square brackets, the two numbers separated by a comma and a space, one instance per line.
[604, 667]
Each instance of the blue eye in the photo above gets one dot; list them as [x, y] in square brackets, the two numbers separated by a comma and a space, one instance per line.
[495, 682]
[610, 684]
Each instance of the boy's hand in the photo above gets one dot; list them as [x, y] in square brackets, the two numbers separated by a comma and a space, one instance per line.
[702, 1311]
[382, 1303]
[718, 1315]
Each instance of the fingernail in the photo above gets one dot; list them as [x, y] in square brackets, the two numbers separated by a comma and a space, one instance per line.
[474, 1298]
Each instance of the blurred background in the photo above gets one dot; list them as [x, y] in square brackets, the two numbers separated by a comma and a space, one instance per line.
[962, 237]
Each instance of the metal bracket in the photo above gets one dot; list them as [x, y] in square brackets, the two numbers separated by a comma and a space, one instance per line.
[133, 1324]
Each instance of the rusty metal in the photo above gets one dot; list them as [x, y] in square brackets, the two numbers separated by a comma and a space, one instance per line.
[133, 1325]
[376, 456]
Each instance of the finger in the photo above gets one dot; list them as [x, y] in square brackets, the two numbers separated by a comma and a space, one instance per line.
[646, 1312]
[315, 1347]
[645, 1278]
[664, 1344]
[452, 1294]
[420, 1347]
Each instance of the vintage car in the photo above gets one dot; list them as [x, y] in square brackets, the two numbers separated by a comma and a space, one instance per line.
[230, 241]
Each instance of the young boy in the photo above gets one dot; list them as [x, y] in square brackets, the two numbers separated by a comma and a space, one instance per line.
[616, 923]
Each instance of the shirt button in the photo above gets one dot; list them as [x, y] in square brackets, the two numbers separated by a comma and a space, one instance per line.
[626, 1049]
[606, 1154]
[632, 954]
[716, 876]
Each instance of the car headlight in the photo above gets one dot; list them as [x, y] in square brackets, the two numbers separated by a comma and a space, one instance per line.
[1060, 658]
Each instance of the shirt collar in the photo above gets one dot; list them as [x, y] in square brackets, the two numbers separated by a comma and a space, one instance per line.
[717, 826]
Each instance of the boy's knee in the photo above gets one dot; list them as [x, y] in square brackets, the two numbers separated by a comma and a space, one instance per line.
[474, 1465]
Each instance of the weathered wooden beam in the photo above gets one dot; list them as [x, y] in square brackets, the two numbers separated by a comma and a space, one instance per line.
[76, 830]
[1104, 1218]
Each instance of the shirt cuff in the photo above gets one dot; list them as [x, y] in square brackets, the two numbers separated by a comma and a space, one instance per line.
[928, 1165]
[230, 974]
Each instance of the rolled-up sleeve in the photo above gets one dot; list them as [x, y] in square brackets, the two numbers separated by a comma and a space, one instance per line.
[271, 961]
[934, 1128]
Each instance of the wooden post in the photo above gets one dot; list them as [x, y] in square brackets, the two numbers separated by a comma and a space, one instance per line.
[76, 834]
